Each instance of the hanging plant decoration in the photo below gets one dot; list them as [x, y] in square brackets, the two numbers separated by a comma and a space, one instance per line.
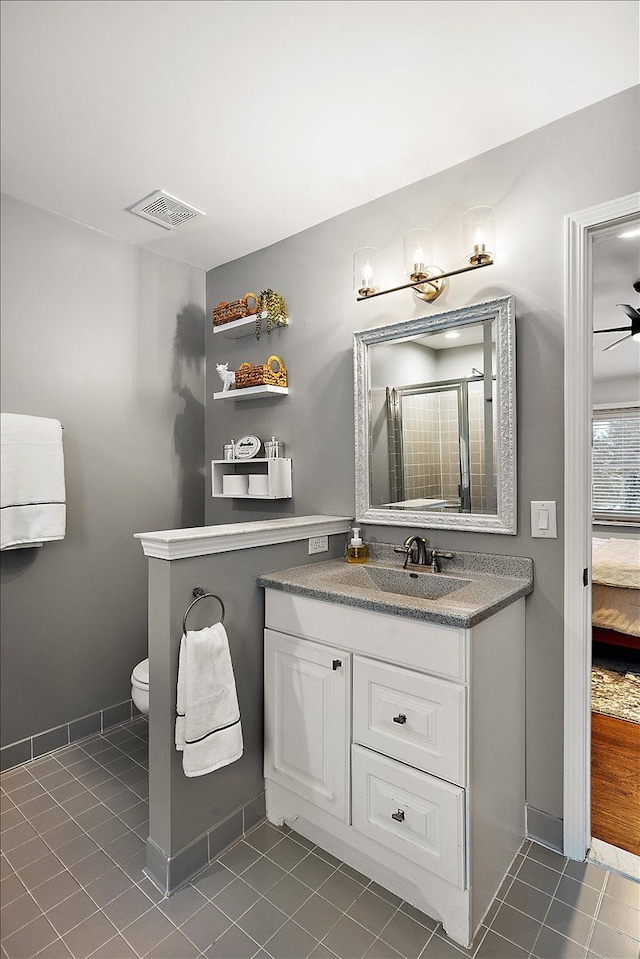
[273, 309]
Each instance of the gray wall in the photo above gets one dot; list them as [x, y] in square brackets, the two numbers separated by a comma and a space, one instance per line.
[533, 182]
[621, 389]
[108, 339]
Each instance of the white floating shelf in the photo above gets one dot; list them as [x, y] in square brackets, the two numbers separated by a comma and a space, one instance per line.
[277, 471]
[244, 327]
[247, 496]
[250, 392]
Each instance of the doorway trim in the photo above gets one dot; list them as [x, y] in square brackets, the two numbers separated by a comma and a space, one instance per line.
[578, 390]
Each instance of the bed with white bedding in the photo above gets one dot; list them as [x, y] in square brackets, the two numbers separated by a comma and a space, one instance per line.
[615, 591]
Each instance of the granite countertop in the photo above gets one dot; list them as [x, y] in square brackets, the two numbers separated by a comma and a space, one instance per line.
[483, 583]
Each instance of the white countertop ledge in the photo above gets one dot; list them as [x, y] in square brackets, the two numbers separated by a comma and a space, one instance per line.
[172, 544]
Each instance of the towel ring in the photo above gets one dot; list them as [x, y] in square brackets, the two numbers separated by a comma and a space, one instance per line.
[199, 594]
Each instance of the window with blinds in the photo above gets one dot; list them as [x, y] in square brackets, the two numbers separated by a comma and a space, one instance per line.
[616, 466]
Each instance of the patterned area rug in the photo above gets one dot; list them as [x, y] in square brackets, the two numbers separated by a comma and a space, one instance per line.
[615, 687]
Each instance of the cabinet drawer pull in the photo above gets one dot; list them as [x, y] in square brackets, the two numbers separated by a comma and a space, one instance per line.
[336, 664]
[398, 816]
[400, 718]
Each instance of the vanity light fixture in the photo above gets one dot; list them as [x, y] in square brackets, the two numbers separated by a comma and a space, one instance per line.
[426, 280]
[366, 270]
[418, 257]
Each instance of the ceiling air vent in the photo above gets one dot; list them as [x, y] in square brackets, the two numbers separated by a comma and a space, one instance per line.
[165, 210]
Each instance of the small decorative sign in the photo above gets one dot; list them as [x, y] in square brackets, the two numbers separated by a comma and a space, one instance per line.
[247, 447]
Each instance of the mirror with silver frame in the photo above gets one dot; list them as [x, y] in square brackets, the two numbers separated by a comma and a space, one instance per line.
[435, 420]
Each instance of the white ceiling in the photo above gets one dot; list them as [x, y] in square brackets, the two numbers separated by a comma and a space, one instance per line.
[274, 116]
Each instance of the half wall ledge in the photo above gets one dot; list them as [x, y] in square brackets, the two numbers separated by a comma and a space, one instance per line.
[170, 544]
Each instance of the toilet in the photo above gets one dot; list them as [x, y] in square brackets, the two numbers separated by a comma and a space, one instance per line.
[140, 686]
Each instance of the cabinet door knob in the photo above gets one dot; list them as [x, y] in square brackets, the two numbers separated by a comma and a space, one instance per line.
[400, 718]
[398, 816]
[336, 664]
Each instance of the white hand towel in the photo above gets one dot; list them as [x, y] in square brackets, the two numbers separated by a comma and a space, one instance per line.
[208, 730]
[32, 491]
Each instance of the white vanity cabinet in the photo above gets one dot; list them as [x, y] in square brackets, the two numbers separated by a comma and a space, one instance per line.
[398, 746]
[309, 719]
[410, 716]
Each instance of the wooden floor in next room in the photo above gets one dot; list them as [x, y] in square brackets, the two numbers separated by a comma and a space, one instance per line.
[615, 782]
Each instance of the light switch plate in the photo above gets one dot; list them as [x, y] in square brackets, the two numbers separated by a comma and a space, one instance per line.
[543, 519]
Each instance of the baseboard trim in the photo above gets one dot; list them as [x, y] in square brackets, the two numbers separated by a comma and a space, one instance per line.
[170, 873]
[40, 744]
[545, 829]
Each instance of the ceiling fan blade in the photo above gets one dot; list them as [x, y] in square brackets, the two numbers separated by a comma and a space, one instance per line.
[611, 345]
[631, 312]
[615, 329]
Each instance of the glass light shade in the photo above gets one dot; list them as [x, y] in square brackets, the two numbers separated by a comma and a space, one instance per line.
[418, 253]
[479, 234]
[366, 270]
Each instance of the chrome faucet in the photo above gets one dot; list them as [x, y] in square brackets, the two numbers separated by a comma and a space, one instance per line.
[415, 551]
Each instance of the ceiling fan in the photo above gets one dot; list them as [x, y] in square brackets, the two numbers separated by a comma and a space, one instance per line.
[633, 331]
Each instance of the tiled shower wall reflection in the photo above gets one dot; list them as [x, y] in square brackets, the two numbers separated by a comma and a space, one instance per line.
[431, 446]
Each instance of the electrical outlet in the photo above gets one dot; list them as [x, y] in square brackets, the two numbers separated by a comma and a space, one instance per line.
[318, 544]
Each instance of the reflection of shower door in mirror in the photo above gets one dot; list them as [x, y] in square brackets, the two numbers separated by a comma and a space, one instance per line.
[429, 449]
[440, 441]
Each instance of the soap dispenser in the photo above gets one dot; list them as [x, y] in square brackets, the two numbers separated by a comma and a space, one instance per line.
[356, 551]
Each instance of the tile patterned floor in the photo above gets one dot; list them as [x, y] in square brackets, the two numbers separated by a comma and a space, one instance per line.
[73, 830]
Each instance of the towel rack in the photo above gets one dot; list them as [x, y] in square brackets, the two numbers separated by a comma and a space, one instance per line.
[199, 594]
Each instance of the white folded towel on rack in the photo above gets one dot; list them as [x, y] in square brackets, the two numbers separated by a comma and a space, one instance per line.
[208, 729]
[32, 486]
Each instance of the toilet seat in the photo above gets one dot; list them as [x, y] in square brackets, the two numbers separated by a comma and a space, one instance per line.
[140, 675]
